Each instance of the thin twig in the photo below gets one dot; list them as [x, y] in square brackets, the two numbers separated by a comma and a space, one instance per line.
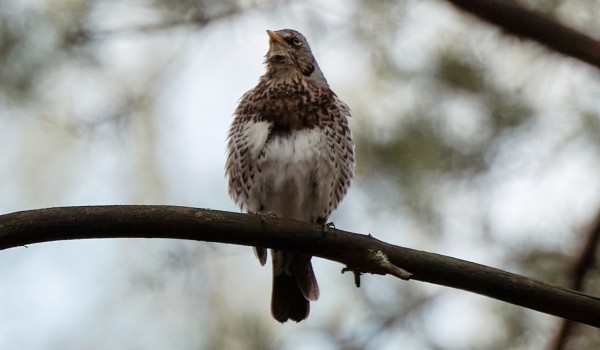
[586, 259]
[382, 265]
[197, 20]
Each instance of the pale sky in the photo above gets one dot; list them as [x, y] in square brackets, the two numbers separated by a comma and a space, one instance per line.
[71, 294]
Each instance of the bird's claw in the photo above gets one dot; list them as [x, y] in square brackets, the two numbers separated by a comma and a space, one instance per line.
[264, 216]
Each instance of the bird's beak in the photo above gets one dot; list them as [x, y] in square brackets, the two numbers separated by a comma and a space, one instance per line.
[274, 38]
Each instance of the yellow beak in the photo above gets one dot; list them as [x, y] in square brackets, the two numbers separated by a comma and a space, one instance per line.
[274, 38]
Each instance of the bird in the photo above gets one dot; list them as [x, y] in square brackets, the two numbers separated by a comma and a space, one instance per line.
[290, 155]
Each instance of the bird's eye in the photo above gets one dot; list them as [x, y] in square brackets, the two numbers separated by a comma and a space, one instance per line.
[296, 41]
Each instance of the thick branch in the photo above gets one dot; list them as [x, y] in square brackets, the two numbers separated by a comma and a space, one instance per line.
[523, 22]
[353, 250]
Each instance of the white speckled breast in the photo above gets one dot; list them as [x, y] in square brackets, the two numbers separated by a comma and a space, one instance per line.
[291, 169]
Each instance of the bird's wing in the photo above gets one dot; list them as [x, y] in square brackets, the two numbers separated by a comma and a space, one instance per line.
[339, 140]
[245, 142]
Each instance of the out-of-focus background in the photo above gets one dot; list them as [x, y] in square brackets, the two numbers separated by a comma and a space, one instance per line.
[469, 143]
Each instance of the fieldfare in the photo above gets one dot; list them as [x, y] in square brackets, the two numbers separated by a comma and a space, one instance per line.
[290, 155]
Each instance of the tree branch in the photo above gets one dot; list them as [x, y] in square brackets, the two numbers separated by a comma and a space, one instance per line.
[198, 19]
[586, 257]
[353, 250]
[523, 22]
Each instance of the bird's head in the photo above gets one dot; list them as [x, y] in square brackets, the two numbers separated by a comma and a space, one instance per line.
[290, 54]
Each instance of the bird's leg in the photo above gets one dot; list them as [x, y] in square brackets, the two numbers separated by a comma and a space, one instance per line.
[323, 221]
[264, 215]
[326, 225]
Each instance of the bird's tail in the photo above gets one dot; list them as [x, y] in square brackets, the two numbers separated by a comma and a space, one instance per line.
[294, 285]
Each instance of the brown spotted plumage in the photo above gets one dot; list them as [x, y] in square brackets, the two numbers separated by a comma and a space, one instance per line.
[290, 154]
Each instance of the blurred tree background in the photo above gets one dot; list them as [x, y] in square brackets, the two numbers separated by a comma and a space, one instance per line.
[470, 143]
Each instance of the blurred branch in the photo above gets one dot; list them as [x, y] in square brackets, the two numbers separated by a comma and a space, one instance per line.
[351, 249]
[526, 23]
[585, 260]
[199, 19]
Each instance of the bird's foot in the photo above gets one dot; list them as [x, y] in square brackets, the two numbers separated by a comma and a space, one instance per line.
[263, 216]
[323, 221]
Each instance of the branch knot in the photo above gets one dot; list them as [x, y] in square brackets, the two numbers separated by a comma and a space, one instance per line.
[376, 262]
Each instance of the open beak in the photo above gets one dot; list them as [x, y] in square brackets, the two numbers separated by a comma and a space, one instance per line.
[274, 38]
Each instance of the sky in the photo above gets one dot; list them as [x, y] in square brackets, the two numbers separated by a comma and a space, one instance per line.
[108, 292]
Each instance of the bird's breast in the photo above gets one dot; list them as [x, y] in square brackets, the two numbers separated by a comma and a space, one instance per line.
[292, 105]
[289, 178]
[298, 149]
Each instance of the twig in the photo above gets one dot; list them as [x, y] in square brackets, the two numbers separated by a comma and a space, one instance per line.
[197, 20]
[376, 262]
[586, 258]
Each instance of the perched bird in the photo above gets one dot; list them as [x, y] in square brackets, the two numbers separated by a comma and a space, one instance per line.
[290, 154]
